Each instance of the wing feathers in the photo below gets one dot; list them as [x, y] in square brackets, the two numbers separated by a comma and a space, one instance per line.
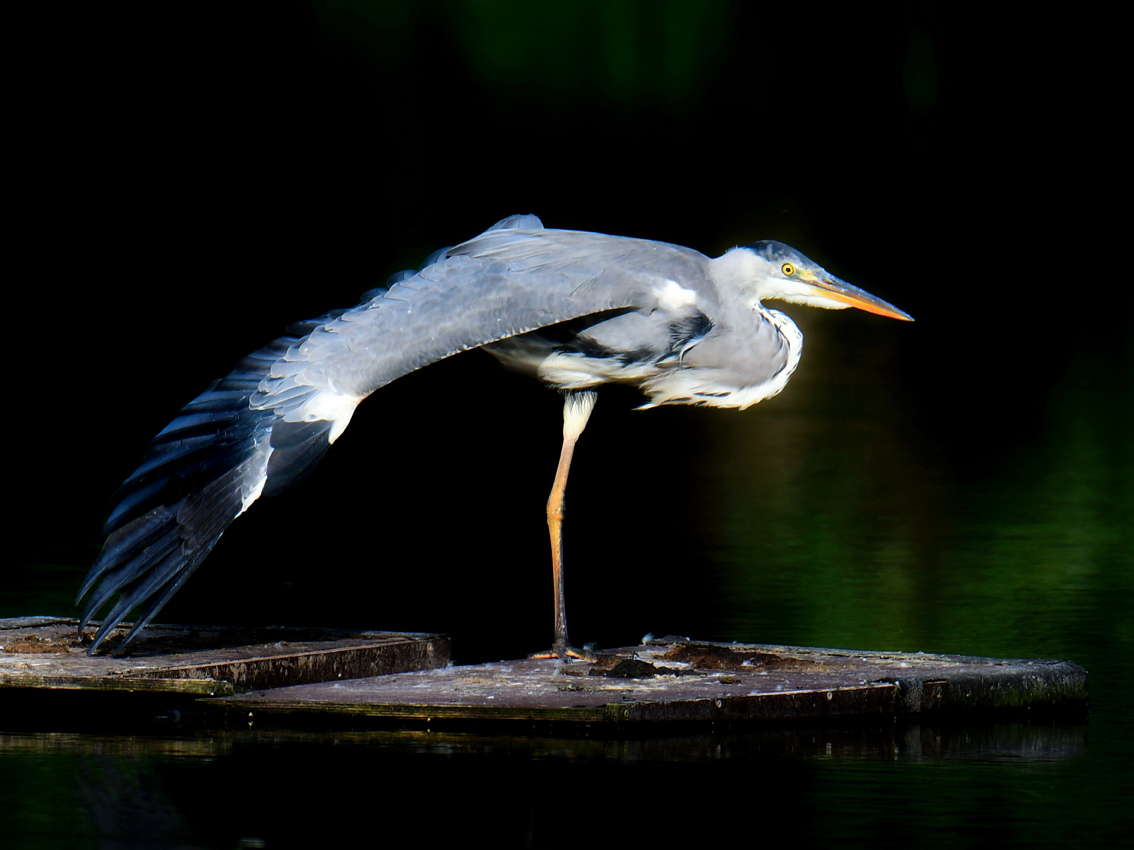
[122, 575]
[136, 537]
[186, 490]
[144, 589]
[296, 448]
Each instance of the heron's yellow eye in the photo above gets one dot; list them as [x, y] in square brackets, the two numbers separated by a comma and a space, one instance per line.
[788, 269]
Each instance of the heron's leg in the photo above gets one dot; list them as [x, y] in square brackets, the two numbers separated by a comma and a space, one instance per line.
[577, 407]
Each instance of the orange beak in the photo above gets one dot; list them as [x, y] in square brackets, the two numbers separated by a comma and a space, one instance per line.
[833, 289]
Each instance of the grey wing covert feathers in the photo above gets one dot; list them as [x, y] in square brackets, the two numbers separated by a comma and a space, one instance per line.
[265, 425]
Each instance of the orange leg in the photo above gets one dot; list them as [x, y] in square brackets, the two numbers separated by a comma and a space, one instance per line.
[577, 407]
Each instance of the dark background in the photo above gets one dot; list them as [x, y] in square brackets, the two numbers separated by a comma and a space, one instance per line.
[186, 181]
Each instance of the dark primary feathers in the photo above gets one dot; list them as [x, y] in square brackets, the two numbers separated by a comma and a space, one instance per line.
[266, 424]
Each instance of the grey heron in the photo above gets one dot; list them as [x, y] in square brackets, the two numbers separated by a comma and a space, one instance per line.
[574, 309]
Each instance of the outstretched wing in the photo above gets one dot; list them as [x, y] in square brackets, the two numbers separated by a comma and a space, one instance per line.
[265, 425]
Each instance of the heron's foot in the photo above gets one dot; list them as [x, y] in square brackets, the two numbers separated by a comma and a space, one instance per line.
[567, 653]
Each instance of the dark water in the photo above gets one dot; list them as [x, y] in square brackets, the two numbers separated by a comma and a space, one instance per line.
[1012, 785]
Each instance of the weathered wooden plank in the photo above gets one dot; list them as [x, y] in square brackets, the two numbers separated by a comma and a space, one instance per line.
[676, 681]
[796, 705]
[196, 687]
[47, 653]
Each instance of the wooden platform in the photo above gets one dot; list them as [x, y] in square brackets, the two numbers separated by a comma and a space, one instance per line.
[324, 679]
[675, 681]
[46, 653]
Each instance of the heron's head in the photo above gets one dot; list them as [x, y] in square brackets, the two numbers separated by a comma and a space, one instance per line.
[773, 270]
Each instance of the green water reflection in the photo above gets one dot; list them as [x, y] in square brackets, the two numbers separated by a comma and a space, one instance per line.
[861, 784]
[861, 528]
